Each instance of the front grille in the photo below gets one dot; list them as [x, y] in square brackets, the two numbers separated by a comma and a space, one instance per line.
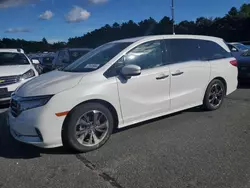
[15, 108]
[6, 95]
[7, 80]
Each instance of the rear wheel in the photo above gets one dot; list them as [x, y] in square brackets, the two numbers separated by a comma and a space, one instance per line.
[88, 127]
[214, 95]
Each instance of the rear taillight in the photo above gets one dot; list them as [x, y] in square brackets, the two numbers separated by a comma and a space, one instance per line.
[234, 63]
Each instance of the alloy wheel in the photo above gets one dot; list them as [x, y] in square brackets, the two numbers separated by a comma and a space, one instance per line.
[216, 95]
[91, 128]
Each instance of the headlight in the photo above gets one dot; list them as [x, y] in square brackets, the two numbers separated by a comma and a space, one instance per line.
[33, 102]
[29, 74]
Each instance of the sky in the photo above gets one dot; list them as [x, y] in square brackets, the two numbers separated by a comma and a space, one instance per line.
[58, 20]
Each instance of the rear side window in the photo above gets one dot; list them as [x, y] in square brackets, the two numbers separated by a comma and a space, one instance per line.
[185, 50]
[212, 51]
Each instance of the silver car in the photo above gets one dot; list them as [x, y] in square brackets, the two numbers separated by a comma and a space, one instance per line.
[66, 56]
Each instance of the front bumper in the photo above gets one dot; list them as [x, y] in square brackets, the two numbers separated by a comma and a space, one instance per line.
[36, 127]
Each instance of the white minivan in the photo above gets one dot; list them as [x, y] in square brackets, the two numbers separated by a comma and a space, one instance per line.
[122, 83]
[15, 69]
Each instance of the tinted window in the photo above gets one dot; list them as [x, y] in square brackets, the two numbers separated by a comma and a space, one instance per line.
[47, 60]
[147, 55]
[213, 51]
[241, 46]
[63, 56]
[231, 47]
[185, 50]
[8, 58]
[97, 57]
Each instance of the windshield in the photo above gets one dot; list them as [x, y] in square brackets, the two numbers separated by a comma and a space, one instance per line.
[76, 54]
[10, 58]
[47, 60]
[97, 57]
[242, 47]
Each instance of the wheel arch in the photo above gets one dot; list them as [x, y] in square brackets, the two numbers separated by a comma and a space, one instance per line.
[222, 80]
[216, 78]
[100, 101]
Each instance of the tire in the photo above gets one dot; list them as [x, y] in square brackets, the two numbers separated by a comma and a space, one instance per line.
[210, 95]
[71, 130]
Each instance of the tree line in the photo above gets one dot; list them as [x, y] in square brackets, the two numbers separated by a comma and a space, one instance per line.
[234, 26]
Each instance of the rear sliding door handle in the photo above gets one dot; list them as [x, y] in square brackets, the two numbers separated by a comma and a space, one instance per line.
[162, 77]
[177, 73]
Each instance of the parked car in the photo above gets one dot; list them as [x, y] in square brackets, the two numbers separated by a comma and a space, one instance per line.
[46, 62]
[15, 70]
[238, 49]
[37, 66]
[242, 54]
[121, 83]
[66, 56]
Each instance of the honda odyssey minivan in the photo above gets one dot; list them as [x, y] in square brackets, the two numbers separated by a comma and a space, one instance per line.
[122, 83]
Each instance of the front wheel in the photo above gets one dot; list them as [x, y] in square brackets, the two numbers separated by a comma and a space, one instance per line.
[88, 127]
[214, 95]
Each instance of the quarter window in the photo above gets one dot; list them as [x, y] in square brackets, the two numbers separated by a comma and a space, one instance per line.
[185, 50]
[213, 51]
[147, 55]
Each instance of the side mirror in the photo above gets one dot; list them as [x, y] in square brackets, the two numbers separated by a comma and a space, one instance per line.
[130, 70]
[234, 50]
[35, 62]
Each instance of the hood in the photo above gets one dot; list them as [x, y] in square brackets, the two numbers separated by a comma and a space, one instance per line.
[13, 70]
[49, 84]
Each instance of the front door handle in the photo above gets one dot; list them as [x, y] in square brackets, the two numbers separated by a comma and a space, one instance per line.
[162, 77]
[177, 73]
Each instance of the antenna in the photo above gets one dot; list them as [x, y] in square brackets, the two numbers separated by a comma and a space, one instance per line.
[172, 8]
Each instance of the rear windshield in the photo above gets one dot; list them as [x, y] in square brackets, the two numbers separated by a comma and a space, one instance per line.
[241, 46]
[10, 58]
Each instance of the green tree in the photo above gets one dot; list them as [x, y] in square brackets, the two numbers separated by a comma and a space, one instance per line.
[44, 40]
[245, 10]
[233, 12]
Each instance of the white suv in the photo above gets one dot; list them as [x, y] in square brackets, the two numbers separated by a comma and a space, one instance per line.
[15, 69]
[122, 83]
